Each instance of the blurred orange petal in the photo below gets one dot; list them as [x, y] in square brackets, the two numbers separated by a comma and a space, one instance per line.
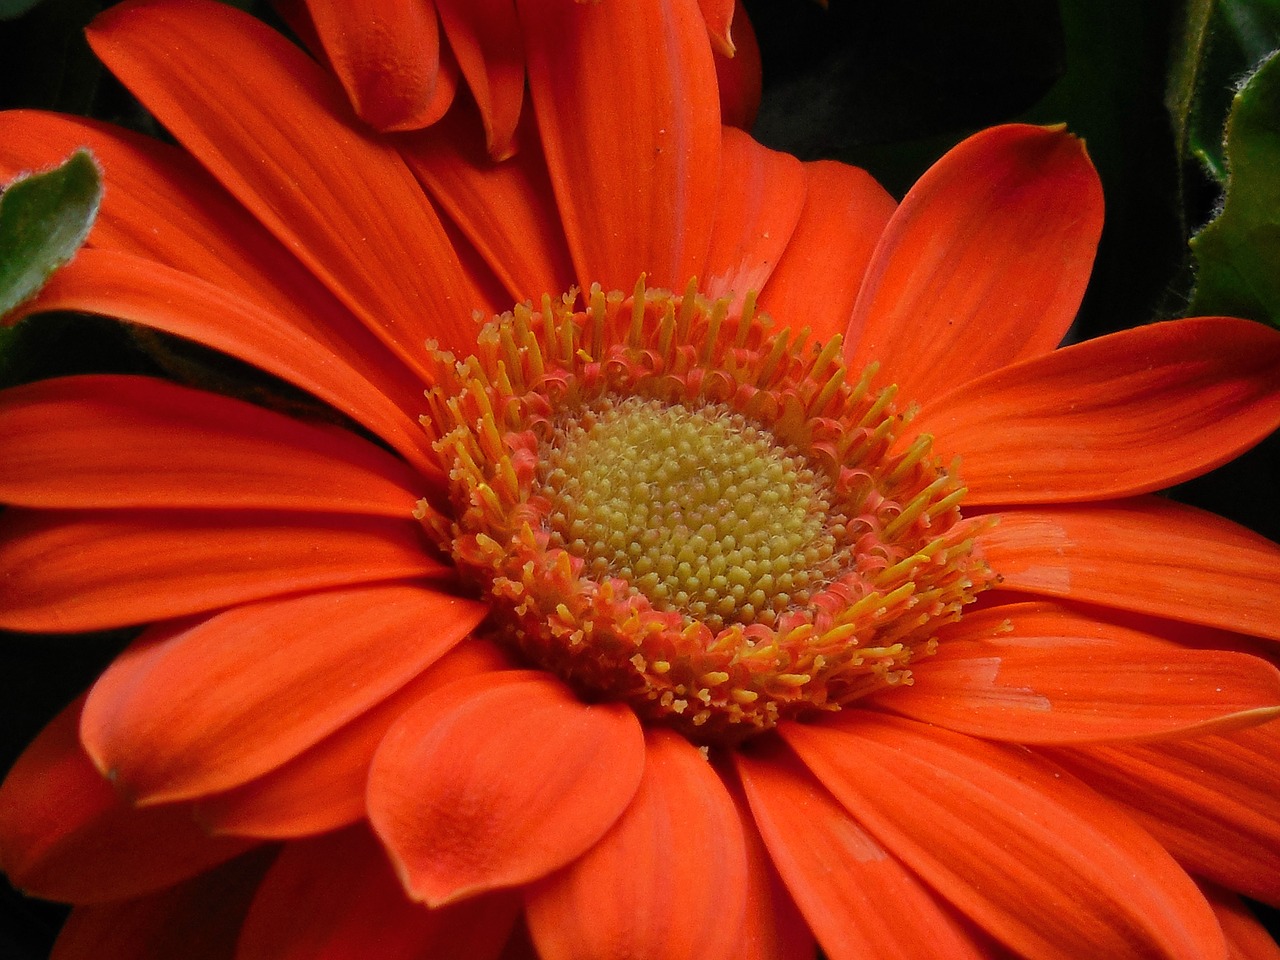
[65, 834]
[983, 263]
[1036, 673]
[1032, 855]
[1190, 394]
[196, 709]
[531, 798]
[858, 898]
[1147, 555]
[669, 879]
[305, 909]
[623, 144]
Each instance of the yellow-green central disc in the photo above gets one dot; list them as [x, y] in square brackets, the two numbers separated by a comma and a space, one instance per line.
[697, 508]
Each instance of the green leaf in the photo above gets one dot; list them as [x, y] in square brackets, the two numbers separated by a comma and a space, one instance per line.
[1238, 253]
[12, 9]
[1222, 42]
[1187, 71]
[44, 218]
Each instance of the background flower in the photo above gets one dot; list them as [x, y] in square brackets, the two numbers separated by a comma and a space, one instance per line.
[399, 60]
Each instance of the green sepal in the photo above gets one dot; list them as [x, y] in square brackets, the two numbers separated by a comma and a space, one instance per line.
[44, 219]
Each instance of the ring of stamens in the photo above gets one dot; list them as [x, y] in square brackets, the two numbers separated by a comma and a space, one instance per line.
[673, 507]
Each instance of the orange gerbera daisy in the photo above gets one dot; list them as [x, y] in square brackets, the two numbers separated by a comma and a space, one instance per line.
[667, 633]
[399, 75]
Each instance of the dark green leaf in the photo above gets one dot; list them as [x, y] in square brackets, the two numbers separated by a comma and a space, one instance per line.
[1186, 71]
[12, 9]
[1222, 42]
[44, 218]
[1238, 254]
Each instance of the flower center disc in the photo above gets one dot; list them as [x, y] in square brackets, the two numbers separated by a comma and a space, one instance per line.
[670, 506]
[698, 509]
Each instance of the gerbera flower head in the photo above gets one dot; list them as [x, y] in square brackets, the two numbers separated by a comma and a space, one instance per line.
[649, 626]
[670, 506]
[399, 60]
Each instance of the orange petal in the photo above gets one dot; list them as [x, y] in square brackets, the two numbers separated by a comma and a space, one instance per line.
[385, 52]
[1123, 414]
[267, 122]
[159, 205]
[772, 927]
[485, 37]
[739, 76]
[499, 780]
[816, 282]
[155, 444]
[191, 711]
[1213, 802]
[420, 109]
[625, 95]
[1147, 555]
[196, 920]
[1032, 855]
[506, 209]
[1039, 673]
[668, 880]
[719, 17]
[336, 897]
[761, 195]
[323, 787]
[65, 834]
[984, 262]
[143, 291]
[1247, 939]
[74, 570]
[859, 900]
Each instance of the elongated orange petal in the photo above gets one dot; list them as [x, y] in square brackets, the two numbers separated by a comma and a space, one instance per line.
[485, 37]
[739, 76]
[668, 880]
[761, 195]
[143, 291]
[154, 444]
[772, 926]
[336, 897]
[65, 834]
[417, 110]
[1031, 854]
[499, 780]
[1213, 801]
[1038, 673]
[719, 17]
[1247, 939]
[270, 126]
[77, 570]
[625, 95]
[159, 205]
[1147, 555]
[323, 787]
[1127, 413]
[816, 282]
[507, 210]
[858, 898]
[984, 262]
[191, 711]
[198, 919]
[385, 52]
